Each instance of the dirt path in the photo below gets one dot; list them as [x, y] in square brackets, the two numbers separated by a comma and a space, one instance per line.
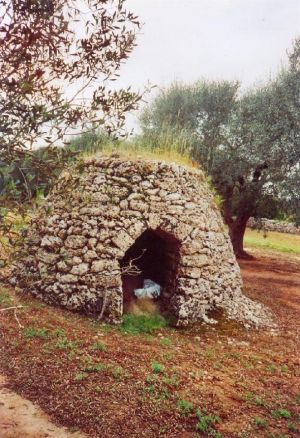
[19, 418]
[242, 376]
[278, 273]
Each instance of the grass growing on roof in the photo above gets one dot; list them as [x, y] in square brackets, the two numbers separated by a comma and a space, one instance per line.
[145, 323]
[166, 147]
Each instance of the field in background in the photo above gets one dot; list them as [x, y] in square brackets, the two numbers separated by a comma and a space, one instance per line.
[271, 240]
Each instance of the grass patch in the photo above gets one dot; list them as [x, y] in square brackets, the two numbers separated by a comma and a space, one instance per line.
[135, 324]
[166, 342]
[80, 376]
[65, 344]
[98, 346]
[5, 299]
[282, 242]
[157, 368]
[292, 426]
[171, 149]
[261, 423]
[206, 423]
[171, 381]
[118, 372]
[32, 332]
[281, 413]
[185, 407]
[97, 368]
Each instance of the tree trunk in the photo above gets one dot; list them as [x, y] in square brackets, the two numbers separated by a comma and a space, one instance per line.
[237, 231]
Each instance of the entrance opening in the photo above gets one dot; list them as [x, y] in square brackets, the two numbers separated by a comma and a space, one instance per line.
[154, 256]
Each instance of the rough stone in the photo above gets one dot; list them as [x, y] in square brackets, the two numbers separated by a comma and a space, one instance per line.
[75, 241]
[75, 253]
[123, 240]
[68, 278]
[80, 269]
[51, 242]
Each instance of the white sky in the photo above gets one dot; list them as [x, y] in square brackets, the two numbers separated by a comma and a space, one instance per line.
[214, 39]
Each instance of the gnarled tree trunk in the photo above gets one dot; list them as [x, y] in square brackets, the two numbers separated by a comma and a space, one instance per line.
[237, 230]
[237, 225]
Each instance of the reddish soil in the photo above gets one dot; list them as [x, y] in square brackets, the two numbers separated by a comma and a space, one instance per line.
[19, 418]
[249, 379]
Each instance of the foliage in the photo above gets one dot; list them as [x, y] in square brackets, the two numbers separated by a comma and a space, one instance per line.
[135, 324]
[248, 144]
[33, 174]
[57, 60]
[47, 63]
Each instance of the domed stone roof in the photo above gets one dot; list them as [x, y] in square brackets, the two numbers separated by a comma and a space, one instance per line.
[111, 223]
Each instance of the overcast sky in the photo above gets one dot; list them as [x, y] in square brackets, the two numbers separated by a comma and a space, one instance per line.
[215, 39]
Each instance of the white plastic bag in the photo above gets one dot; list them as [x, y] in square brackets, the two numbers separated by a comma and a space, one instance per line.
[150, 290]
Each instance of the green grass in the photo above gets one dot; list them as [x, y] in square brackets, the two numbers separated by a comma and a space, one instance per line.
[165, 342]
[96, 367]
[275, 241]
[261, 423]
[206, 423]
[32, 332]
[80, 376]
[281, 413]
[135, 324]
[64, 343]
[5, 298]
[170, 147]
[100, 346]
[157, 368]
[185, 407]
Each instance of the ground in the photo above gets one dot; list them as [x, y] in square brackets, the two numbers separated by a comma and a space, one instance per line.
[220, 381]
[19, 418]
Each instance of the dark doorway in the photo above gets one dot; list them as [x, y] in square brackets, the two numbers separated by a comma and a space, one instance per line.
[155, 254]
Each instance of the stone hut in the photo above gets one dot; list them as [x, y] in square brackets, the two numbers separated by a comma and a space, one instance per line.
[108, 214]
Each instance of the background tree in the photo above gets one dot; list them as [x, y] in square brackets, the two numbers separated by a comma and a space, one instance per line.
[249, 145]
[57, 58]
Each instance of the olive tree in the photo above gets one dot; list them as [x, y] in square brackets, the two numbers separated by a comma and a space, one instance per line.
[249, 144]
[57, 60]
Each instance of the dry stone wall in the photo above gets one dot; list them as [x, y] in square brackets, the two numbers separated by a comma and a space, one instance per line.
[272, 225]
[95, 214]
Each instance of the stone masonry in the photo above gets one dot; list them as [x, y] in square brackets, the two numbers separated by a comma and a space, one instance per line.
[97, 210]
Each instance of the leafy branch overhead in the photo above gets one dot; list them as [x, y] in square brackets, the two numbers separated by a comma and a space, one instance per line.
[57, 58]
